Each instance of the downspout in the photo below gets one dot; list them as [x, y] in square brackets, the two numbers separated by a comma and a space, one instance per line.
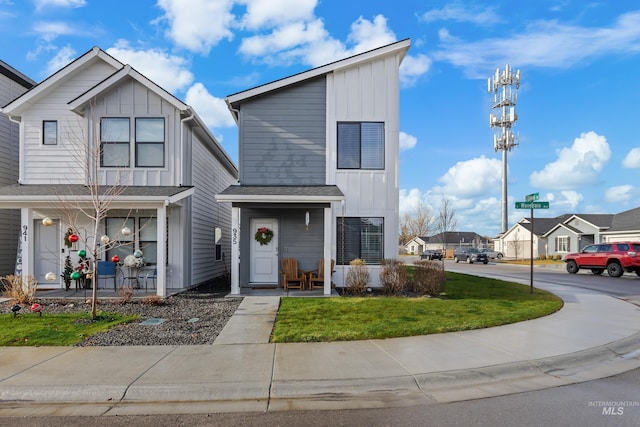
[182, 137]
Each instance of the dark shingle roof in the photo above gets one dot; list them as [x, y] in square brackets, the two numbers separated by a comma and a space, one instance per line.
[625, 221]
[64, 190]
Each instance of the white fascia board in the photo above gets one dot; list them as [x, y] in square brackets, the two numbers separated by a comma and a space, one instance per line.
[278, 199]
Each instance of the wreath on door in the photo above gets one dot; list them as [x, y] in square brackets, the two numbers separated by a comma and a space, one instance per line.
[263, 235]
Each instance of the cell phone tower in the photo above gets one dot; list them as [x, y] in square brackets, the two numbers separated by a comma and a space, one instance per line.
[501, 120]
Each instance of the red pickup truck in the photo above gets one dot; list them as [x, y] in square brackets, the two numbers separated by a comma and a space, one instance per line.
[616, 258]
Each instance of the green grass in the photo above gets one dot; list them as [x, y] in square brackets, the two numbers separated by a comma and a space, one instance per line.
[29, 329]
[468, 302]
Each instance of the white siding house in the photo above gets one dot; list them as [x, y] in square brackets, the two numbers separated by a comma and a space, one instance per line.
[99, 129]
[318, 161]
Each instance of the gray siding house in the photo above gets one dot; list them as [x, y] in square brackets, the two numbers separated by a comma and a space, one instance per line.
[318, 162]
[99, 127]
[12, 84]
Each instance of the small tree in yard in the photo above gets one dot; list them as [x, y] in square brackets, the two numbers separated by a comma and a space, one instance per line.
[429, 278]
[393, 276]
[357, 280]
[445, 223]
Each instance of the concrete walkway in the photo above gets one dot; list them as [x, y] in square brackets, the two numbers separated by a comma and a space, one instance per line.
[593, 336]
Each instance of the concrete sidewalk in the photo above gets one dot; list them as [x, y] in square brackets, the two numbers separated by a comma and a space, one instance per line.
[593, 336]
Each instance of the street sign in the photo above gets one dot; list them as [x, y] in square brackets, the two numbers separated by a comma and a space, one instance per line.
[532, 205]
[532, 197]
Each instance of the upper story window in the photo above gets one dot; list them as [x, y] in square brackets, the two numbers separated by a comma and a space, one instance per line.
[361, 145]
[114, 142]
[149, 142]
[49, 132]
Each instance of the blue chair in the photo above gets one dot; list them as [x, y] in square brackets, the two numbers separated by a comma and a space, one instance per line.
[107, 270]
[152, 275]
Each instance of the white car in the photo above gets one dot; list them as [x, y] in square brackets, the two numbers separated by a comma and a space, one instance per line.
[492, 254]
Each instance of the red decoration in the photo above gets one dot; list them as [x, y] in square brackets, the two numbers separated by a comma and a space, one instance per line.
[73, 238]
[115, 259]
[35, 308]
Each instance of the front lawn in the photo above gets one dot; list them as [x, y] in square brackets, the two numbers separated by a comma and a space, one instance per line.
[30, 329]
[468, 302]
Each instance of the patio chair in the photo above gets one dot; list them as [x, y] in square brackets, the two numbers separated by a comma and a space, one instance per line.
[316, 281]
[106, 270]
[291, 274]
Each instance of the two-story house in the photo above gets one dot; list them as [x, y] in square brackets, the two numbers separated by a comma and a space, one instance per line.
[318, 162]
[97, 128]
[12, 84]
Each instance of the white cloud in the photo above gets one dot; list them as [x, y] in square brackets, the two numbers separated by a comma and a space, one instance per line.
[570, 198]
[407, 141]
[198, 25]
[576, 166]
[212, 110]
[471, 178]
[168, 71]
[412, 68]
[460, 12]
[410, 200]
[40, 4]
[62, 58]
[273, 13]
[548, 44]
[632, 160]
[619, 194]
[49, 31]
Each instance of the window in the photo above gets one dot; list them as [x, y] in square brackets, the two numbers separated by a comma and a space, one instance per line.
[120, 245]
[218, 237]
[361, 238]
[49, 132]
[148, 243]
[562, 244]
[361, 145]
[150, 142]
[114, 140]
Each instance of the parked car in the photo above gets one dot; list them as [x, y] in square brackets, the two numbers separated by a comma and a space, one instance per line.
[470, 255]
[431, 254]
[616, 258]
[492, 254]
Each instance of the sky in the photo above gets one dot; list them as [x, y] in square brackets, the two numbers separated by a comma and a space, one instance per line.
[578, 124]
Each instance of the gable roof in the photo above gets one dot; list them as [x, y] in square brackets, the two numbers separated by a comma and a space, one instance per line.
[625, 221]
[400, 47]
[15, 75]
[456, 237]
[24, 101]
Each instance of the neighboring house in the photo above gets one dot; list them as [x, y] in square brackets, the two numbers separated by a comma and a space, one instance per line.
[568, 233]
[100, 121]
[449, 240]
[12, 84]
[416, 246]
[318, 161]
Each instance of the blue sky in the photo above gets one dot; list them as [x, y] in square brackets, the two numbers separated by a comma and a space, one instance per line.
[578, 120]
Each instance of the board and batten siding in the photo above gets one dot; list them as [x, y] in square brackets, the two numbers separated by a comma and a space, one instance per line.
[282, 136]
[209, 178]
[9, 149]
[41, 162]
[368, 92]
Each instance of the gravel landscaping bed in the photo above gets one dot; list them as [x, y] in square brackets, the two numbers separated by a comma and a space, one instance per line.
[192, 317]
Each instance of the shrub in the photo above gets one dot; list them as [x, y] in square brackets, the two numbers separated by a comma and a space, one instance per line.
[429, 278]
[126, 293]
[357, 280]
[152, 300]
[20, 292]
[393, 276]
[557, 257]
[543, 257]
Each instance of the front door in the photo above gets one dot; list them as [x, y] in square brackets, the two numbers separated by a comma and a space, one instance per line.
[47, 251]
[264, 257]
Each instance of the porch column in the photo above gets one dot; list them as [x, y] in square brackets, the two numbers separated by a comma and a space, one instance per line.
[328, 233]
[161, 266]
[27, 242]
[235, 251]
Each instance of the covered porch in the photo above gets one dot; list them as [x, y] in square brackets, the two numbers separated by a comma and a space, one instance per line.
[301, 225]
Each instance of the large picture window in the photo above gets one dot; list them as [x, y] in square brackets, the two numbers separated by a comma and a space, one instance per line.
[114, 142]
[150, 142]
[361, 145]
[361, 238]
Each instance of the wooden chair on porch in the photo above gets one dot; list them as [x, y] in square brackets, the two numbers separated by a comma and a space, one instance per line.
[291, 274]
[316, 281]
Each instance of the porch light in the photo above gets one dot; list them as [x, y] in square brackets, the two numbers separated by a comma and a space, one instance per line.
[47, 222]
[306, 219]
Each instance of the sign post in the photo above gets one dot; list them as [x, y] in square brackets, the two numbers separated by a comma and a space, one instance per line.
[531, 203]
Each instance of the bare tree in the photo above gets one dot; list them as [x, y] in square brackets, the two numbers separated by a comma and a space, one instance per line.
[417, 223]
[445, 222]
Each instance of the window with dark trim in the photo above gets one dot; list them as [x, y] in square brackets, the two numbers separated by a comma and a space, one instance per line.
[360, 145]
[120, 245]
[150, 142]
[218, 237]
[360, 238]
[49, 132]
[114, 142]
[148, 239]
